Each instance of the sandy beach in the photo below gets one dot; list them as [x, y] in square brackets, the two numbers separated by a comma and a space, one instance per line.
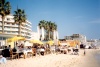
[59, 60]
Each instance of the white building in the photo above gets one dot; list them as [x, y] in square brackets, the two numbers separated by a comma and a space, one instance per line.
[79, 37]
[11, 29]
[34, 36]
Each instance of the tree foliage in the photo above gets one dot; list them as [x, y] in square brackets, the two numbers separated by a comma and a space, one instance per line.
[5, 9]
[49, 28]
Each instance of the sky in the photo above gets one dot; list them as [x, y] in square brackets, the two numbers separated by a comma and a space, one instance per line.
[71, 16]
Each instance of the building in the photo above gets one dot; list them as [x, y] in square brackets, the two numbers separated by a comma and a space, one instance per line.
[11, 29]
[34, 36]
[79, 37]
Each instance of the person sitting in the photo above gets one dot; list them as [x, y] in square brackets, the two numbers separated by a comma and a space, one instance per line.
[21, 48]
[2, 59]
[6, 52]
[14, 50]
[42, 50]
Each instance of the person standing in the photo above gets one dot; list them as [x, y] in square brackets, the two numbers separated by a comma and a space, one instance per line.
[9, 47]
[84, 52]
[77, 46]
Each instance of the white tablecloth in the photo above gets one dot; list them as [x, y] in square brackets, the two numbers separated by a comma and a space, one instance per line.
[42, 50]
[24, 51]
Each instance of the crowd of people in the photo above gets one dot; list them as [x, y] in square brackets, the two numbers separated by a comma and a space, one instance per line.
[38, 49]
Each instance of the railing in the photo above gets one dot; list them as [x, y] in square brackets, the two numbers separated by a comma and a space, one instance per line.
[11, 25]
[10, 29]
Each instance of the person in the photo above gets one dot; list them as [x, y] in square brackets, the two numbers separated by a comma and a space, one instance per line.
[57, 49]
[77, 46]
[84, 52]
[9, 47]
[42, 50]
[2, 59]
[6, 52]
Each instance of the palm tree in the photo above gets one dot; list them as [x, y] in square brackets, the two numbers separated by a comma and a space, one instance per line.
[52, 28]
[49, 28]
[47, 36]
[19, 18]
[4, 10]
[42, 24]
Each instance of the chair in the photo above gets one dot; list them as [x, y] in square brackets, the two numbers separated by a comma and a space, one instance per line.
[13, 55]
[34, 52]
[47, 51]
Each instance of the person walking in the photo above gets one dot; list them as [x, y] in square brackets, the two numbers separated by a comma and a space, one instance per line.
[84, 52]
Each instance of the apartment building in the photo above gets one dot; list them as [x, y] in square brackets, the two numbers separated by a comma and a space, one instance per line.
[11, 29]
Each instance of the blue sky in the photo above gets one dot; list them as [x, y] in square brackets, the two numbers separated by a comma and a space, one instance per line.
[71, 16]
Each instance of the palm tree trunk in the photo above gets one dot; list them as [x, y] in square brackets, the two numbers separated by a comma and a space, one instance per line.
[49, 35]
[2, 24]
[19, 29]
[52, 35]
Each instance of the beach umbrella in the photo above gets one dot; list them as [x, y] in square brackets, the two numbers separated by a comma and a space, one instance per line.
[59, 43]
[50, 42]
[36, 41]
[16, 38]
[40, 42]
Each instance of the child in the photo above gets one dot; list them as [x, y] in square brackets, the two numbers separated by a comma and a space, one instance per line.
[2, 59]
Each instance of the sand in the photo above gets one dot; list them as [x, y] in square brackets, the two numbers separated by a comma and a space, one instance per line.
[59, 60]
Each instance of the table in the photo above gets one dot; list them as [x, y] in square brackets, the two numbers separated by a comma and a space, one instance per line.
[25, 52]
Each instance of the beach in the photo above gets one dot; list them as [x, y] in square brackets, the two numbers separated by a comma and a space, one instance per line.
[57, 60]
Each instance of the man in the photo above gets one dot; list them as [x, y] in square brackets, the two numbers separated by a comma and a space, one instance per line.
[77, 46]
[6, 52]
[2, 59]
[9, 47]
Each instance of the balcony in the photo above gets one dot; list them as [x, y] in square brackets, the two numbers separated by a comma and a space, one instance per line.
[11, 33]
[28, 29]
[23, 27]
[8, 29]
[23, 30]
[28, 25]
[9, 21]
[11, 25]
[23, 34]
